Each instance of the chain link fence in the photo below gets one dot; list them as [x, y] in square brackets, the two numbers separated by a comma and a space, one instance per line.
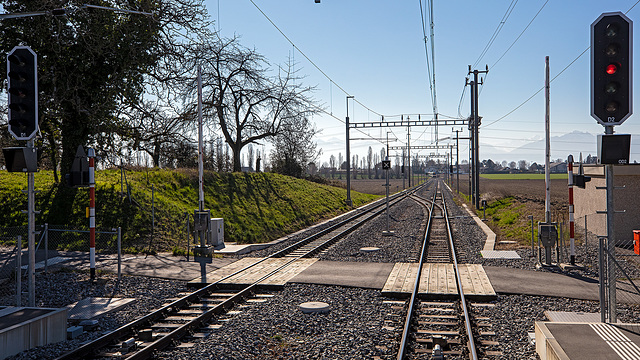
[54, 245]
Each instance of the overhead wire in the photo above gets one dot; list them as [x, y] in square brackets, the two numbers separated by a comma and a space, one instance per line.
[493, 38]
[542, 88]
[513, 43]
[537, 92]
[311, 61]
[426, 52]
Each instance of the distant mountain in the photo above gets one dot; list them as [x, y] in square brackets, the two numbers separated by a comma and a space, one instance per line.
[561, 146]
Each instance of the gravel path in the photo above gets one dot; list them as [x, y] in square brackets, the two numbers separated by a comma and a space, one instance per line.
[359, 325]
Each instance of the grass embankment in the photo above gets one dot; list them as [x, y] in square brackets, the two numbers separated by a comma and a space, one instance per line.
[508, 218]
[256, 207]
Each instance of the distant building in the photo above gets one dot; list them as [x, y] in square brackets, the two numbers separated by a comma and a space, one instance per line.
[558, 167]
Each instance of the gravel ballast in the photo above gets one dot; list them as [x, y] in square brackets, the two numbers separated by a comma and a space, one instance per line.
[359, 324]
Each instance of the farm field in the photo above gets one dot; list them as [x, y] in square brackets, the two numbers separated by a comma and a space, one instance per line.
[510, 202]
[523, 176]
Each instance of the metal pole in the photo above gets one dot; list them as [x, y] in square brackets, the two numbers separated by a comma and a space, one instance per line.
[31, 236]
[153, 210]
[457, 164]
[188, 235]
[532, 241]
[477, 142]
[602, 264]
[547, 175]
[46, 247]
[92, 214]
[472, 162]
[611, 244]
[349, 203]
[572, 248]
[404, 170]
[409, 174]
[200, 145]
[119, 253]
[387, 187]
[387, 184]
[19, 272]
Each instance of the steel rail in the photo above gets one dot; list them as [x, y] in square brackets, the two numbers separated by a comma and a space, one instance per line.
[199, 321]
[395, 199]
[414, 294]
[161, 313]
[467, 321]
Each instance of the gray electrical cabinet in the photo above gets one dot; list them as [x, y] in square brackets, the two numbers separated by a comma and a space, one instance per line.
[548, 236]
[216, 233]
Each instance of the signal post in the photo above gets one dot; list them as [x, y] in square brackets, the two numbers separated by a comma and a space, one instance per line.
[22, 78]
[611, 105]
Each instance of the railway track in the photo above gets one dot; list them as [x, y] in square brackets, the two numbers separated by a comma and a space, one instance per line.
[197, 314]
[437, 328]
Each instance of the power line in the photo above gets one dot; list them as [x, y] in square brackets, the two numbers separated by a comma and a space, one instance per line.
[519, 36]
[506, 15]
[542, 88]
[429, 64]
[539, 90]
[308, 59]
[516, 40]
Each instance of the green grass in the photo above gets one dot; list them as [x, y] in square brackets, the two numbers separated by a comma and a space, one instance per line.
[257, 207]
[509, 219]
[522, 176]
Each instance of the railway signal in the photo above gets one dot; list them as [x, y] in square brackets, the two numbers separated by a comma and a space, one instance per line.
[22, 76]
[611, 68]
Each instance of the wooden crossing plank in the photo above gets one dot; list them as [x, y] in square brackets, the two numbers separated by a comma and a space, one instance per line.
[391, 279]
[410, 279]
[439, 279]
[289, 272]
[256, 272]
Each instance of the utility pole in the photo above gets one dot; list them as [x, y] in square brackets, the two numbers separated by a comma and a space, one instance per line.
[409, 175]
[349, 203]
[476, 126]
[457, 164]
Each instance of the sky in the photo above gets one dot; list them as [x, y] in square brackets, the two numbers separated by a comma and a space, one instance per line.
[375, 51]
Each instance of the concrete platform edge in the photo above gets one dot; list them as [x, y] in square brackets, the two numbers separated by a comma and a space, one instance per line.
[490, 242]
[546, 345]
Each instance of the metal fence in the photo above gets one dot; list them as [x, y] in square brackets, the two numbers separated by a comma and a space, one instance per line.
[621, 266]
[54, 245]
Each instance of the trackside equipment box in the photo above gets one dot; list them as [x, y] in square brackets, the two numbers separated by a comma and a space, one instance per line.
[216, 233]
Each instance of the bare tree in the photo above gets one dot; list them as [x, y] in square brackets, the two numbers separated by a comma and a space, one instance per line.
[248, 101]
[332, 165]
[294, 148]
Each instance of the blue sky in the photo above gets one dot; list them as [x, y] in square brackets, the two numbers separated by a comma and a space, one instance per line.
[375, 51]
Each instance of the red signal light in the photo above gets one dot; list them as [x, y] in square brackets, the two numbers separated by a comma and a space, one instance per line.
[612, 69]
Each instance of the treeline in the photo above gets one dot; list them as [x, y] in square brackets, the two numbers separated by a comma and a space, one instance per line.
[370, 166]
[126, 84]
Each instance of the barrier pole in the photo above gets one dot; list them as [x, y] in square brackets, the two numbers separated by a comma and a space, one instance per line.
[572, 247]
[92, 215]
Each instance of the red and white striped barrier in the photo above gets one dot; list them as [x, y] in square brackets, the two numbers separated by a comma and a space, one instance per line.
[92, 214]
[572, 248]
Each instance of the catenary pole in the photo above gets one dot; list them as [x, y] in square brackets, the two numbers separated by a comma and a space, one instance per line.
[349, 202]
